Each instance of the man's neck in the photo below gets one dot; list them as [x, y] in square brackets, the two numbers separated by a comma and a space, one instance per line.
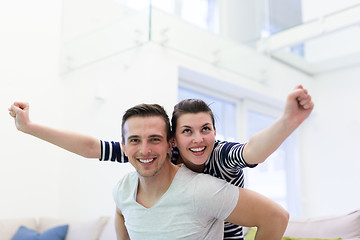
[151, 189]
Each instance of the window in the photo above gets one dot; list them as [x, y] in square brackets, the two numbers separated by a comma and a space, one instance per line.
[276, 178]
[268, 178]
[202, 13]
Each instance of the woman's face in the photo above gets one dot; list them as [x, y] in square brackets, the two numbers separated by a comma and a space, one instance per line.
[195, 138]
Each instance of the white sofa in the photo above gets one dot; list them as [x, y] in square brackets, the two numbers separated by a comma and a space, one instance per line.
[345, 226]
[102, 228]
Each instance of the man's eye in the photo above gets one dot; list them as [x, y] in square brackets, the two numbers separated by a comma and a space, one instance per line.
[155, 139]
[134, 140]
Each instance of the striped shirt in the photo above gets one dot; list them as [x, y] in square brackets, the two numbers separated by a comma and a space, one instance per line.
[225, 162]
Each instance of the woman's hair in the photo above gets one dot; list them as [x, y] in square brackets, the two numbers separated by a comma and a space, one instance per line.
[190, 106]
[147, 110]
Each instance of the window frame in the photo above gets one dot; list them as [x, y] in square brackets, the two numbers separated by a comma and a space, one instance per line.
[248, 100]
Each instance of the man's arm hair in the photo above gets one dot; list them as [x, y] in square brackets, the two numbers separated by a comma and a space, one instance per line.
[255, 210]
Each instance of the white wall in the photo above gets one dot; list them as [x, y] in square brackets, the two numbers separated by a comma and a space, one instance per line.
[332, 160]
[29, 176]
[38, 179]
[97, 96]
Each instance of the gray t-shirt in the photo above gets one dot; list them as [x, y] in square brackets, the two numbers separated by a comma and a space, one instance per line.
[194, 207]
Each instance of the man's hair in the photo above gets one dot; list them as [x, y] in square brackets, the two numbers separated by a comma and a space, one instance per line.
[147, 110]
[190, 106]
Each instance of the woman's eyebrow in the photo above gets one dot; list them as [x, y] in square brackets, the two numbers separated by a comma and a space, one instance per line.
[206, 124]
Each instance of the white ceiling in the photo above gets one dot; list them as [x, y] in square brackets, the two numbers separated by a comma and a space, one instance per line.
[329, 43]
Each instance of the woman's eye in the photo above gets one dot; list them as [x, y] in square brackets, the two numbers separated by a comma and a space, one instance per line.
[187, 131]
[205, 129]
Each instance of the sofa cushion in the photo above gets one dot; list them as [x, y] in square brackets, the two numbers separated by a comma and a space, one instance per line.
[55, 233]
[342, 226]
[8, 227]
[89, 230]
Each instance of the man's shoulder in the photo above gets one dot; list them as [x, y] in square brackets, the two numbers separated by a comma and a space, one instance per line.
[186, 172]
[128, 180]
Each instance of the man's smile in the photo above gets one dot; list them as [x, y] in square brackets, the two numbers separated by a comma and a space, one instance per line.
[146, 160]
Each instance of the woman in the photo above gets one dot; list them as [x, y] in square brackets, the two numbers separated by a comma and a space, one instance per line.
[194, 132]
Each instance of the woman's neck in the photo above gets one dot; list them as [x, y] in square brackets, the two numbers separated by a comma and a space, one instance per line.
[190, 165]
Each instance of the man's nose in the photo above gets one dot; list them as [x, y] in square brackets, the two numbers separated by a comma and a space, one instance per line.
[145, 148]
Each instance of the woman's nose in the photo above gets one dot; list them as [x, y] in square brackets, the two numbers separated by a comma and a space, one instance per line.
[197, 138]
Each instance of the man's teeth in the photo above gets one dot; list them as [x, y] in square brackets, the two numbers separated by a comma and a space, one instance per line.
[146, 160]
[197, 149]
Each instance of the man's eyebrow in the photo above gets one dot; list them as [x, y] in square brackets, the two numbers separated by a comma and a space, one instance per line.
[133, 136]
[156, 136]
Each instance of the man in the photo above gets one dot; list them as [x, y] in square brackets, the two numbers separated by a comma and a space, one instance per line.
[164, 201]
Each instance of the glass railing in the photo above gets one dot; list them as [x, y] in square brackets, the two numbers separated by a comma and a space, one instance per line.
[100, 32]
[324, 44]
[110, 28]
[106, 28]
[176, 34]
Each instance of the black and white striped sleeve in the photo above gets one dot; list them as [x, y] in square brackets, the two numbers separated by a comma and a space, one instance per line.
[112, 151]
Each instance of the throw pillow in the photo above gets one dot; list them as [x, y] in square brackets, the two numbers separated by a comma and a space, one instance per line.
[78, 229]
[251, 235]
[56, 233]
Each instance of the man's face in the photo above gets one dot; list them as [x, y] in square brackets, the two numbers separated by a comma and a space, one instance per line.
[146, 145]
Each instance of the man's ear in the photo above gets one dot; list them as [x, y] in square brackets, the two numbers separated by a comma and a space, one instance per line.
[124, 148]
[171, 144]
